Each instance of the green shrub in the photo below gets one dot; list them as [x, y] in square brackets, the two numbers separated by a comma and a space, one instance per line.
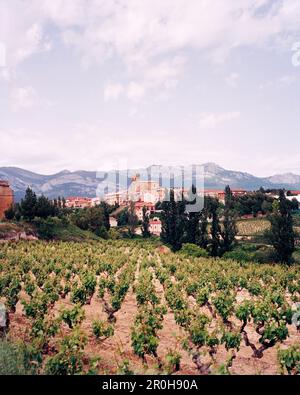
[17, 359]
[102, 329]
[238, 255]
[289, 359]
[193, 250]
[173, 361]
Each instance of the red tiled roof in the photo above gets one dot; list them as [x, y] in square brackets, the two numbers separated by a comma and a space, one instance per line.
[78, 198]
[155, 222]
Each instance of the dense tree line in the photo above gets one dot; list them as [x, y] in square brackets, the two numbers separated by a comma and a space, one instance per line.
[32, 206]
[128, 219]
[39, 210]
[203, 228]
[257, 202]
[214, 227]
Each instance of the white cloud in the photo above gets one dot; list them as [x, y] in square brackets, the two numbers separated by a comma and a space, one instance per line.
[25, 97]
[211, 120]
[232, 80]
[135, 91]
[113, 91]
[146, 36]
[287, 80]
[22, 98]
[33, 41]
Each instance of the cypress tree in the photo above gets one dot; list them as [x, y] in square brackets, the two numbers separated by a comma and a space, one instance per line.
[28, 205]
[106, 221]
[172, 219]
[192, 221]
[215, 231]
[145, 224]
[281, 234]
[203, 234]
[229, 230]
[44, 207]
[132, 220]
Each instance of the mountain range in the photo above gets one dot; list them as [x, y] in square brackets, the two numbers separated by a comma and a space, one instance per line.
[84, 183]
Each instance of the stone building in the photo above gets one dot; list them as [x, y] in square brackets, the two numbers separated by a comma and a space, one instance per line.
[6, 197]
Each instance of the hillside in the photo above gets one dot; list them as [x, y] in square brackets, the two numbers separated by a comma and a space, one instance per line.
[85, 183]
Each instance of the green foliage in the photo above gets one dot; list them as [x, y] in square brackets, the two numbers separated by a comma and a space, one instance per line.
[198, 331]
[28, 205]
[281, 234]
[79, 295]
[289, 359]
[193, 250]
[144, 338]
[145, 289]
[173, 361]
[253, 203]
[231, 340]
[102, 329]
[173, 221]
[124, 368]
[224, 303]
[215, 230]
[72, 317]
[17, 359]
[93, 219]
[58, 229]
[145, 224]
[69, 359]
[122, 217]
[229, 230]
[132, 220]
[238, 255]
[238, 300]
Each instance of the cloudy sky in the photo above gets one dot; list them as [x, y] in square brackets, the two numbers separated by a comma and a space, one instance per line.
[98, 84]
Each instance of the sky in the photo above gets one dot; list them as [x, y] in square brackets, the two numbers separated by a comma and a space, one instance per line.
[102, 84]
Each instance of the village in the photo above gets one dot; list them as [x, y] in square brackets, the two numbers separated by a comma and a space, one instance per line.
[142, 193]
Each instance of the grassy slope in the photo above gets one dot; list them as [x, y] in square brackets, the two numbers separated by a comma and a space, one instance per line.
[73, 233]
[60, 232]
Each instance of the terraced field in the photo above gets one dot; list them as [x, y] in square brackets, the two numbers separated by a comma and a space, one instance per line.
[135, 307]
[252, 227]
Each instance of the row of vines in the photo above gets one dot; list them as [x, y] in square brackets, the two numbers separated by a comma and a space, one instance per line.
[222, 309]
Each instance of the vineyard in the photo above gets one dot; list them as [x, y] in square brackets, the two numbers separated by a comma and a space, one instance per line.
[252, 227]
[104, 307]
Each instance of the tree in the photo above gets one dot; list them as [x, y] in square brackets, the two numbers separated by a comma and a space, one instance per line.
[281, 234]
[10, 213]
[92, 219]
[266, 207]
[96, 218]
[192, 223]
[132, 219]
[215, 231]
[172, 218]
[44, 207]
[145, 224]
[229, 223]
[28, 205]
[203, 235]
[294, 204]
[122, 217]
[105, 209]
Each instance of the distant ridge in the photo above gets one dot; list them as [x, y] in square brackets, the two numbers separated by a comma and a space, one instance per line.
[84, 183]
